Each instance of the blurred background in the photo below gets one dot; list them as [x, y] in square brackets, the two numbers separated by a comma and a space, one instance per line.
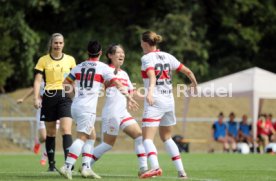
[212, 37]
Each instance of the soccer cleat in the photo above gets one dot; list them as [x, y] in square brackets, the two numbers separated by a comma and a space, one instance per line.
[52, 167]
[43, 159]
[152, 173]
[36, 148]
[42, 162]
[67, 173]
[142, 170]
[182, 175]
[89, 173]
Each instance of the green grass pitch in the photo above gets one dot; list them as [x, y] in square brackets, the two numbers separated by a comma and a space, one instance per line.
[123, 166]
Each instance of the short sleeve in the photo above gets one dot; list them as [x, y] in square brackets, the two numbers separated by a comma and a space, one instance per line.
[108, 74]
[40, 66]
[147, 64]
[176, 65]
[73, 63]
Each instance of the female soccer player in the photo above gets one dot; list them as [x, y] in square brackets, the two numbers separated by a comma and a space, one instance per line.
[88, 76]
[53, 68]
[159, 112]
[115, 114]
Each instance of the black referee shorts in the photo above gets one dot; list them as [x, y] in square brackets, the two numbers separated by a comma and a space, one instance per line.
[55, 105]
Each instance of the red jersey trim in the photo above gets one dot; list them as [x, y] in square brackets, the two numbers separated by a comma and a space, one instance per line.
[179, 67]
[112, 80]
[125, 120]
[144, 72]
[150, 120]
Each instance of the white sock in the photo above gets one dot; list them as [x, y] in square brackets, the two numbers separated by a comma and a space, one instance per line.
[99, 151]
[74, 152]
[141, 153]
[43, 151]
[151, 153]
[87, 149]
[172, 149]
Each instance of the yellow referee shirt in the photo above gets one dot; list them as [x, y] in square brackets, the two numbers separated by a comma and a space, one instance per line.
[54, 71]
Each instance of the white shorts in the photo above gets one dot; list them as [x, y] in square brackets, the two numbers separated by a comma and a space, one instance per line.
[112, 125]
[41, 124]
[154, 117]
[84, 121]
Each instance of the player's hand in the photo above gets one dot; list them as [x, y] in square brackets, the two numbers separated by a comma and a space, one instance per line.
[150, 99]
[193, 89]
[19, 101]
[37, 103]
[132, 104]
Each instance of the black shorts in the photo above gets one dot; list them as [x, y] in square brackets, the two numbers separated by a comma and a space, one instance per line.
[55, 105]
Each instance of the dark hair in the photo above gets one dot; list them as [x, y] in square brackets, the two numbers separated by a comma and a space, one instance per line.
[220, 114]
[151, 38]
[232, 114]
[111, 49]
[94, 48]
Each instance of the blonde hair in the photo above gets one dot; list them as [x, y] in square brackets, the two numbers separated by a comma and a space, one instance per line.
[49, 47]
[151, 38]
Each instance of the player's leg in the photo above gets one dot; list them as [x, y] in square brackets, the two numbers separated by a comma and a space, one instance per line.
[132, 129]
[37, 144]
[42, 139]
[49, 114]
[110, 130]
[165, 132]
[83, 144]
[51, 144]
[65, 117]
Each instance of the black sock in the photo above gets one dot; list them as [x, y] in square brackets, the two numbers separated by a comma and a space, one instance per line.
[50, 149]
[67, 142]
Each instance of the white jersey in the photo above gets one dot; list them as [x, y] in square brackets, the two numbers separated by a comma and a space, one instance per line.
[163, 64]
[89, 77]
[115, 101]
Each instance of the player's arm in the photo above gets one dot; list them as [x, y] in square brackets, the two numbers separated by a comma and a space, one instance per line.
[26, 96]
[152, 82]
[68, 87]
[131, 102]
[37, 82]
[185, 70]
[138, 95]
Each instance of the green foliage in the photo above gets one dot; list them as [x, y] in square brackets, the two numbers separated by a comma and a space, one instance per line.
[213, 38]
[185, 42]
[6, 70]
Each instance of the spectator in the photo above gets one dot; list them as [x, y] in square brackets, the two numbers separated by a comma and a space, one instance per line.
[220, 134]
[264, 128]
[244, 132]
[269, 120]
[232, 127]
